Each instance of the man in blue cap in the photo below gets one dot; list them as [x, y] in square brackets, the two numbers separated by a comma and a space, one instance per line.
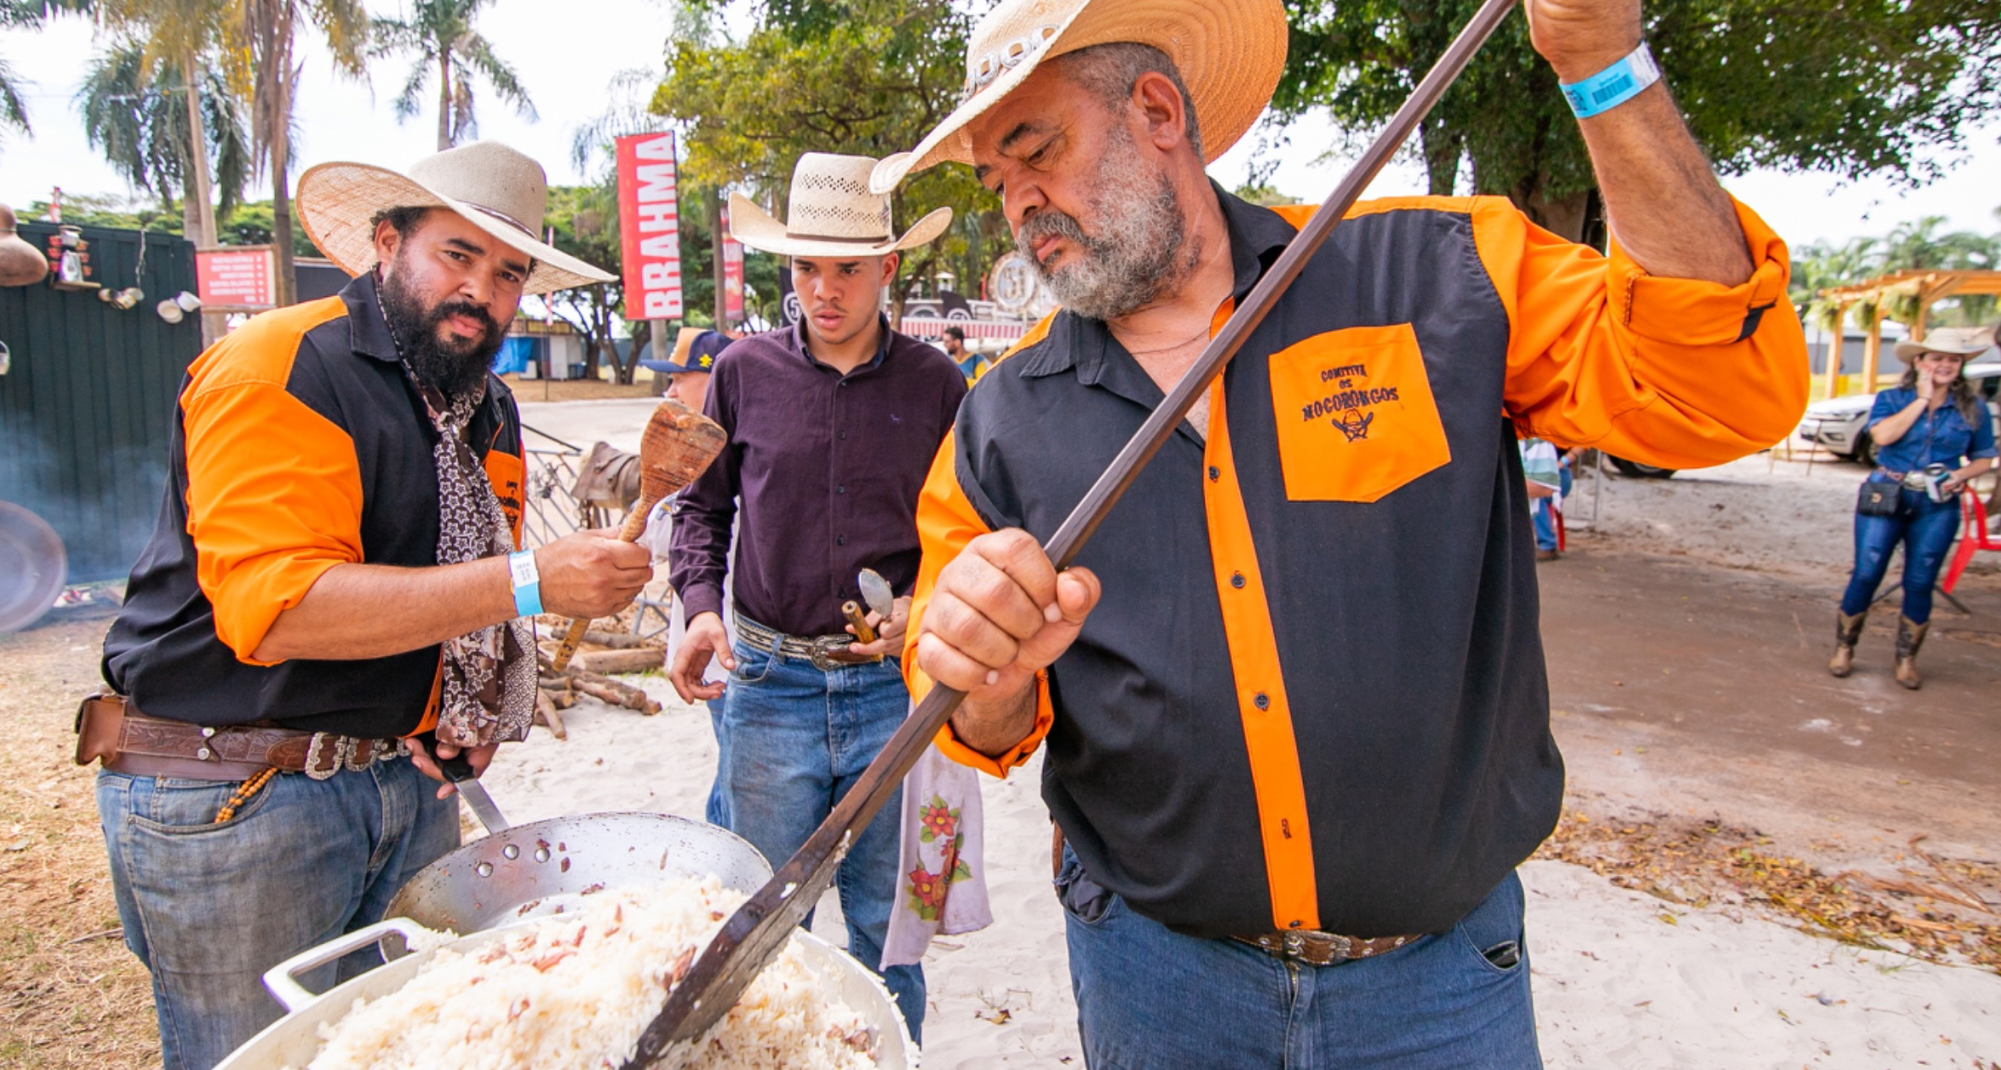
[688, 370]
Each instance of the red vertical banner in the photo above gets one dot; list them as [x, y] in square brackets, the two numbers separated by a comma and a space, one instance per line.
[732, 274]
[649, 226]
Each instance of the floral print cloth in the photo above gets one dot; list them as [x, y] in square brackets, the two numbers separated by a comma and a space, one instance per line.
[941, 883]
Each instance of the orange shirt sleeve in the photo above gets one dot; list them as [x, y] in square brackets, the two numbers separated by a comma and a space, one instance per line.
[274, 500]
[1674, 372]
[946, 522]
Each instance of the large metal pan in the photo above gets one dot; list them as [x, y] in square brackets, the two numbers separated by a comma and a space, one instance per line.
[33, 567]
[295, 1039]
[543, 867]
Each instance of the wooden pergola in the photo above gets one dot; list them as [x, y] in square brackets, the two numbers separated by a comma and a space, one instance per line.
[1927, 285]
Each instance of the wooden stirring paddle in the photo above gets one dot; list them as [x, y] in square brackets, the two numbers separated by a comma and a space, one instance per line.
[677, 446]
[757, 932]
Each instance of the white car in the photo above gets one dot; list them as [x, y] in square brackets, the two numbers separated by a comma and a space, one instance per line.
[1837, 423]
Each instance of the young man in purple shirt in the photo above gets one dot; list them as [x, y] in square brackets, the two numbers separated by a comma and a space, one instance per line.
[833, 424]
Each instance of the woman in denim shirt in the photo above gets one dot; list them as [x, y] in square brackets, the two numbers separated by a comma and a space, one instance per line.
[1933, 417]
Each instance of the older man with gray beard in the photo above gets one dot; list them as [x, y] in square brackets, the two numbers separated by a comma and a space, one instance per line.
[1293, 694]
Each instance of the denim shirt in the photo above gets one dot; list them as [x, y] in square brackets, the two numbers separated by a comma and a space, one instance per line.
[1940, 437]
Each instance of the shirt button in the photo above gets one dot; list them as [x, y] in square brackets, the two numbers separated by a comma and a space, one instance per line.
[1237, 580]
[840, 540]
[1261, 702]
[840, 434]
[1215, 473]
[842, 489]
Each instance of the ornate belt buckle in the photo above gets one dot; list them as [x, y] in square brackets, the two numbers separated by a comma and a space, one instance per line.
[1341, 949]
[327, 754]
[829, 644]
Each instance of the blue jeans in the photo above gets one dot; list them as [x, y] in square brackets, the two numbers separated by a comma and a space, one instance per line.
[1925, 528]
[1543, 511]
[209, 907]
[1149, 998]
[717, 811]
[796, 739]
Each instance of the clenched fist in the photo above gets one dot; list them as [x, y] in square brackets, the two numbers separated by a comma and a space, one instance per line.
[591, 574]
[1000, 613]
[1579, 38]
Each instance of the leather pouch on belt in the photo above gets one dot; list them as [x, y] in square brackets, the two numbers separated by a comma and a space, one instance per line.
[99, 720]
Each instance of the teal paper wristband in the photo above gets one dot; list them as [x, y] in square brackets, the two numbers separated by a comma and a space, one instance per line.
[527, 581]
[1614, 85]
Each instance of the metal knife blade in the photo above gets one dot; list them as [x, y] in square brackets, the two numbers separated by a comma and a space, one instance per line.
[876, 592]
[458, 770]
[476, 797]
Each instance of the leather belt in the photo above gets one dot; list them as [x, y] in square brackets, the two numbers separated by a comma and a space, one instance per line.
[1315, 948]
[826, 652]
[110, 730]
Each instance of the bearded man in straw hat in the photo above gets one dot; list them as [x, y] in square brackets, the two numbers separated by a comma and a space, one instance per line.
[1294, 697]
[832, 424]
[332, 576]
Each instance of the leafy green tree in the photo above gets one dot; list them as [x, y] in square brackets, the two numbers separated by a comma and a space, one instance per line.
[867, 77]
[253, 223]
[270, 26]
[1850, 87]
[441, 34]
[140, 125]
[187, 35]
[85, 210]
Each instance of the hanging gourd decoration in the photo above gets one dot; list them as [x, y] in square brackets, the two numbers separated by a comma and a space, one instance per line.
[21, 264]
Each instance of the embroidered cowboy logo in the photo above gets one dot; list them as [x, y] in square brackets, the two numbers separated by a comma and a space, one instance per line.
[1347, 407]
[1355, 424]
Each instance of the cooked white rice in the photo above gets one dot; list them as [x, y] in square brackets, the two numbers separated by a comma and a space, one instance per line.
[573, 992]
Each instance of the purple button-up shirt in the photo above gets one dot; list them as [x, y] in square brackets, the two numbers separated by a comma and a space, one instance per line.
[826, 469]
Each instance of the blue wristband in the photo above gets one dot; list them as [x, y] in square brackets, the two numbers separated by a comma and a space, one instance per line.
[1614, 85]
[527, 581]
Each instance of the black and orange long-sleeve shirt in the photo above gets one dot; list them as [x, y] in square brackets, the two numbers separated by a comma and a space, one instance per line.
[1313, 695]
[300, 445]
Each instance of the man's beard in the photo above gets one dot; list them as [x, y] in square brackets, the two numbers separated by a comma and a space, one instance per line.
[1139, 253]
[456, 368]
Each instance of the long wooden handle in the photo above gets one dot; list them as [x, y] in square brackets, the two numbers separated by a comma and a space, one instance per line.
[635, 526]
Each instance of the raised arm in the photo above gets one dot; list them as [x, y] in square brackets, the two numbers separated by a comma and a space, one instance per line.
[1661, 197]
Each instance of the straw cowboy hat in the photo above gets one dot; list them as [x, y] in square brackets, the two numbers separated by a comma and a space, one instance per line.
[1230, 54]
[833, 214]
[1962, 342]
[494, 187]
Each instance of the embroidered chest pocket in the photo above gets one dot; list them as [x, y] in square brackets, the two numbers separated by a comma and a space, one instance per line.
[1356, 419]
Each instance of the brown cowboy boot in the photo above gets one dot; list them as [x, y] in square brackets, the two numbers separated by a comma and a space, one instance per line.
[1847, 631]
[1910, 637]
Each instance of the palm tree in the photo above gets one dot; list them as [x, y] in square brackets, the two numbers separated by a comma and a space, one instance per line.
[13, 110]
[24, 14]
[141, 127]
[441, 34]
[188, 35]
[269, 26]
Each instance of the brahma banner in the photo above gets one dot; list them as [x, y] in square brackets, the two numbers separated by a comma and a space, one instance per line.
[649, 227]
[732, 274]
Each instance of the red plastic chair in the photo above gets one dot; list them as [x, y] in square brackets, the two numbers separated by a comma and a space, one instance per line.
[1973, 537]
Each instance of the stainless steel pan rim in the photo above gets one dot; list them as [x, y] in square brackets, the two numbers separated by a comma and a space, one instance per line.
[545, 867]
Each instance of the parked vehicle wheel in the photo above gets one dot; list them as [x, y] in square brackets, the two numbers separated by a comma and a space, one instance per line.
[1865, 451]
[1638, 470]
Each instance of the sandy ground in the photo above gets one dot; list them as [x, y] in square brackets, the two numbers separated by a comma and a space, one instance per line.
[1685, 640]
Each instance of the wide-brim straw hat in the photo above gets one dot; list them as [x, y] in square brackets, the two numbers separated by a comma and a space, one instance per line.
[1961, 343]
[496, 188]
[832, 213]
[1230, 54]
